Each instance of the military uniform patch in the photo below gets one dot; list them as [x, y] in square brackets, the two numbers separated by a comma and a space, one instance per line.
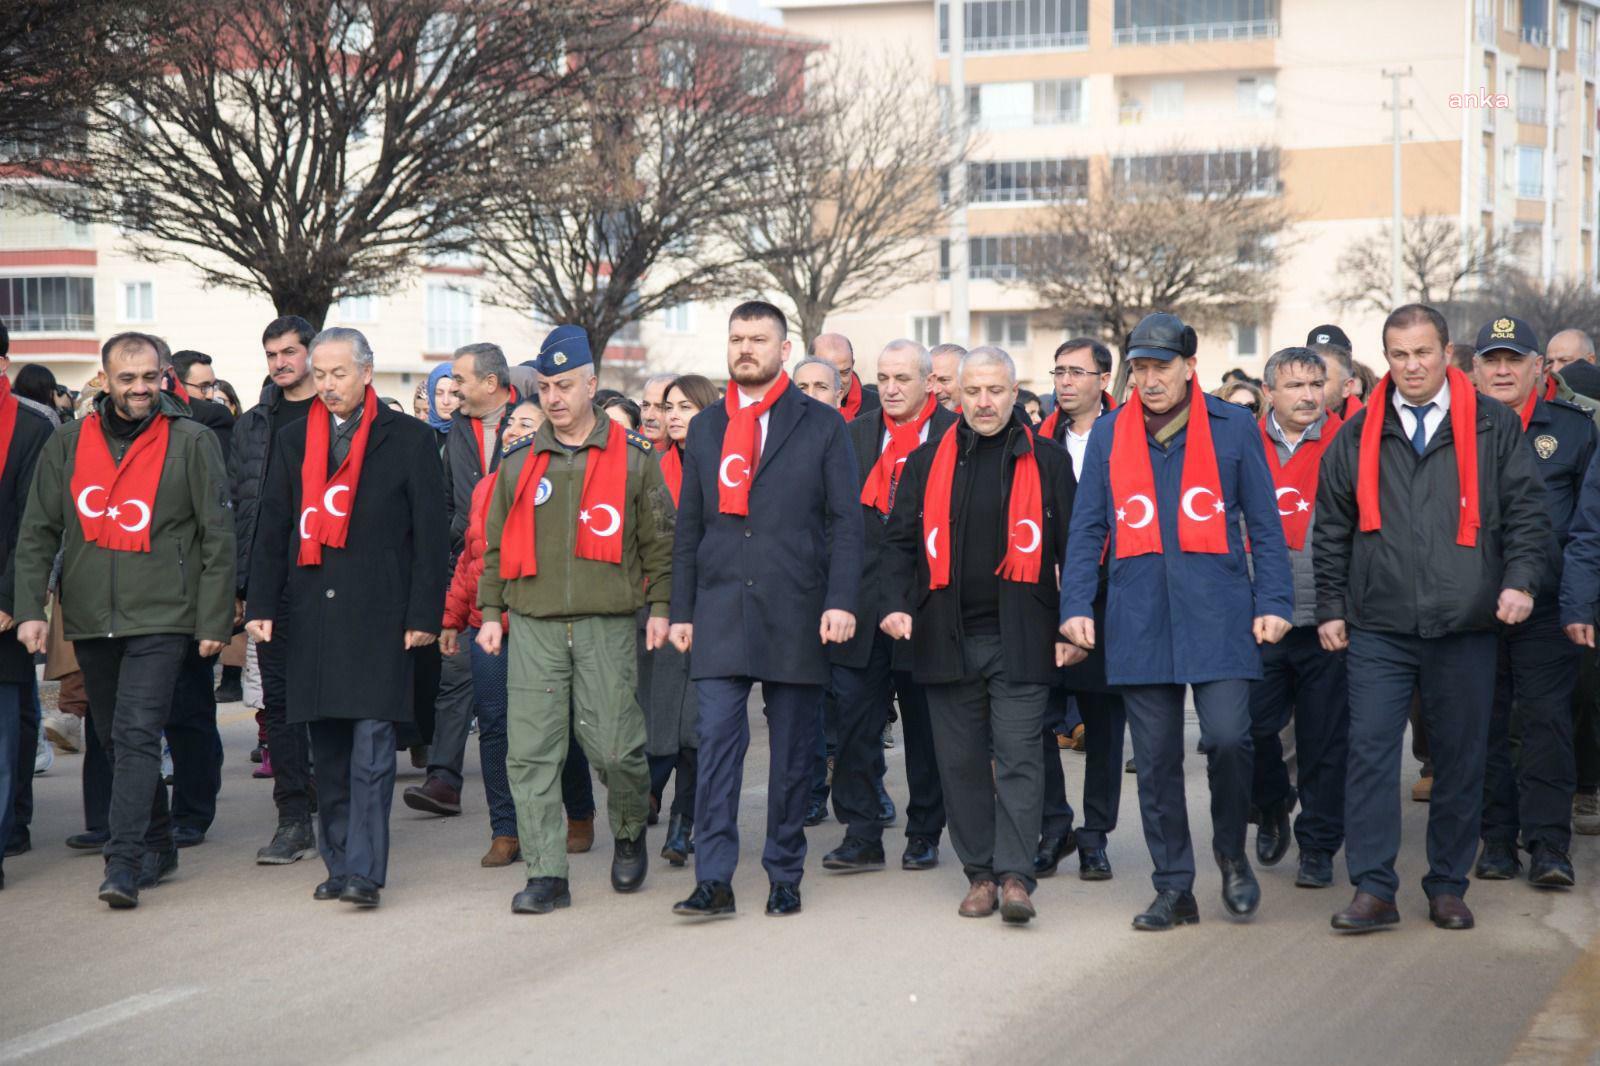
[1545, 445]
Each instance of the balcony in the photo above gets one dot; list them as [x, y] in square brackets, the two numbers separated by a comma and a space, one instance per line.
[1537, 36]
[1194, 32]
[1586, 64]
[1530, 190]
[1012, 26]
[1531, 116]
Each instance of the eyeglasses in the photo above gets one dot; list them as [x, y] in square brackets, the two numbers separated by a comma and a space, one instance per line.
[207, 388]
[1076, 373]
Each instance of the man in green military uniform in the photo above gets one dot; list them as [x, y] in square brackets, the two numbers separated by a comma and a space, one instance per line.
[579, 536]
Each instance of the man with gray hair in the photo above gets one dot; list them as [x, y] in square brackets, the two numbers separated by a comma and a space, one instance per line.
[351, 547]
[819, 379]
[1298, 676]
[1567, 347]
[653, 411]
[855, 399]
[946, 360]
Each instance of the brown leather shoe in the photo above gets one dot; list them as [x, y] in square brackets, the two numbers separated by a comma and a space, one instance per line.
[1422, 791]
[1365, 913]
[1016, 907]
[503, 851]
[983, 899]
[433, 796]
[580, 835]
[1449, 912]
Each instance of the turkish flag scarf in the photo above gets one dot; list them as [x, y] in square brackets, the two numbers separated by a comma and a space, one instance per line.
[740, 449]
[1464, 434]
[1202, 517]
[1024, 516]
[852, 398]
[8, 419]
[672, 471]
[1047, 428]
[108, 519]
[324, 517]
[903, 440]
[602, 504]
[1296, 480]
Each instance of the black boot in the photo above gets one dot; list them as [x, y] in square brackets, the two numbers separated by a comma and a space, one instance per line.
[710, 899]
[157, 866]
[675, 849]
[541, 896]
[231, 688]
[628, 864]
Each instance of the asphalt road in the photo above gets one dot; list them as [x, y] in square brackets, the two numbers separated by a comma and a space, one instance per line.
[234, 962]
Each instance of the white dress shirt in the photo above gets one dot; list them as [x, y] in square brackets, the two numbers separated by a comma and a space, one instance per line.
[1431, 421]
[747, 401]
[922, 435]
[1078, 444]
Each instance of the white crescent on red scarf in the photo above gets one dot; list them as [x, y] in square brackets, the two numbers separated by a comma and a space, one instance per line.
[1296, 480]
[116, 502]
[601, 507]
[740, 449]
[878, 492]
[326, 503]
[1024, 516]
[1202, 514]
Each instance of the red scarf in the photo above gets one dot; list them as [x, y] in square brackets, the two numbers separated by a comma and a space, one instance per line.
[1352, 404]
[1202, 521]
[1024, 516]
[1047, 428]
[98, 481]
[1551, 391]
[604, 502]
[322, 522]
[1527, 409]
[1464, 430]
[1296, 480]
[903, 440]
[8, 419]
[740, 449]
[852, 398]
[672, 471]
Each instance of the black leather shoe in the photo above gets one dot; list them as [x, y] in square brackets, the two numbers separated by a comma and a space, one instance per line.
[1240, 892]
[676, 849]
[1498, 862]
[710, 899]
[855, 855]
[360, 891]
[1272, 838]
[887, 812]
[541, 896]
[156, 866]
[1051, 851]
[922, 853]
[120, 889]
[93, 840]
[1093, 865]
[1316, 869]
[817, 811]
[329, 889]
[628, 864]
[187, 836]
[1170, 909]
[1549, 868]
[783, 899]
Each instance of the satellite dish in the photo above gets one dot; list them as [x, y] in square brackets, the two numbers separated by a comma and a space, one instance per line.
[1267, 94]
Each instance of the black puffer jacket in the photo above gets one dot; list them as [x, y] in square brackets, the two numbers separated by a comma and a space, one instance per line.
[247, 471]
[463, 468]
[1411, 576]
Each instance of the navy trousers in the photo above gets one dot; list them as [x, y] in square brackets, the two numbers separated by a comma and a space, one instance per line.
[1456, 677]
[1530, 788]
[1104, 722]
[1155, 720]
[353, 762]
[1298, 677]
[792, 712]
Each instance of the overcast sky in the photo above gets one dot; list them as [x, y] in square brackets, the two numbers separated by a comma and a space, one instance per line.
[749, 9]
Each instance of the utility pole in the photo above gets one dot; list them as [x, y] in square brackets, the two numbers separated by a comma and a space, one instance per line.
[960, 310]
[1397, 220]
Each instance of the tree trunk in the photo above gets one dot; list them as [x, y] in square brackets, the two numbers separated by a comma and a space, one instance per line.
[310, 301]
[812, 315]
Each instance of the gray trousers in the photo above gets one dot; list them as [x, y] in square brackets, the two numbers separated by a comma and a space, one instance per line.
[452, 718]
[353, 764]
[993, 814]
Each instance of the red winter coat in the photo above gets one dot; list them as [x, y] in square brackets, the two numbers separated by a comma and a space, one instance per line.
[461, 599]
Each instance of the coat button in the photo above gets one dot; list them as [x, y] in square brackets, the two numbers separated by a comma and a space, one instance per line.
[330, 594]
[749, 581]
[747, 533]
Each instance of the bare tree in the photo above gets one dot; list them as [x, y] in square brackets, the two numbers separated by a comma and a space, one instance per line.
[314, 149]
[55, 57]
[1439, 264]
[1564, 303]
[624, 226]
[856, 190]
[1200, 240]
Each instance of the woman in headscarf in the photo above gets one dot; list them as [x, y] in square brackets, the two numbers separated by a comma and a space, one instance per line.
[442, 400]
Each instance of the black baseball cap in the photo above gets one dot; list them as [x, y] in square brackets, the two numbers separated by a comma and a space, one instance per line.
[1511, 334]
[1329, 335]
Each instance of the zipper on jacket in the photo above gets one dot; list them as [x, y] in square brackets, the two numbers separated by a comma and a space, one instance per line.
[574, 499]
[183, 571]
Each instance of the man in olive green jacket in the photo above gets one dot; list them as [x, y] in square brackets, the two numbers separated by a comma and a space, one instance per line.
[572, 599]
[149, 569]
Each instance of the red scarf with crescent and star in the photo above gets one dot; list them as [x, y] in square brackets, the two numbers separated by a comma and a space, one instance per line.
[323, 521]
[741, 447]
[1047, 428]
[878, 492]
[601, 508]
[104, 491]
[1296, 480]
[1202, 521]
[1024, 516]
[1464, 434]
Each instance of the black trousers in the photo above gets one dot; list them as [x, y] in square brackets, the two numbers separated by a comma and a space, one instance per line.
[662, 768]
[355, 791]
[1104, 721]
[130, 682]
[291, 751]
[1586, 721]
[1298, 677]
[26, 751]
[1155, 721]
[196, 745]
[994, 812]
[1530, 773]
[96, 780]
[1455, 675]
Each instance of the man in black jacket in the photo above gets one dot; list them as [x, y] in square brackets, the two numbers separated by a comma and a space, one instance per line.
[976, 538]
[872, 669]
[1418, 562]
[284, 401]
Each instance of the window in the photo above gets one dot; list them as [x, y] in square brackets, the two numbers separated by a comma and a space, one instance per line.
[450, 312]
[356, 309]
[1513, 16]
[47, 304]
[995, 257]
[1175, 21]
[927, 329]
[1005, 331]
[1202, 172]
[677, 64]
[1024, 180]
[138, 301]
[1530, 172]
[1530, 95]
[678, 318]
[1166, 99]
[1245, 343]
[1020, 104]
[1564, 29]
[1010, 25]
[755, 70]
[1256, 97]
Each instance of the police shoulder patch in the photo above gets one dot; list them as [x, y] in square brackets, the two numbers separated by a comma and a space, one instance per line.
[639, 440]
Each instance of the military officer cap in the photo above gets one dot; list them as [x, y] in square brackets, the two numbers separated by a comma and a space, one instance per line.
[565, 348]
[1510, 334]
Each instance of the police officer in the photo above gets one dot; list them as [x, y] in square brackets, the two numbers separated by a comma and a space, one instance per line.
[1538, 666]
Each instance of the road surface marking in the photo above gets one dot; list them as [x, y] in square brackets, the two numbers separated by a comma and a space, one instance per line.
[87, 1022]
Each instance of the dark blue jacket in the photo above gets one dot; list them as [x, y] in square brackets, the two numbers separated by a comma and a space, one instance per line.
[755, 586]
[1181, 617]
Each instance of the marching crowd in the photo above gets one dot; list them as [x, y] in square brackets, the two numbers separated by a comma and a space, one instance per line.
[598, 583]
